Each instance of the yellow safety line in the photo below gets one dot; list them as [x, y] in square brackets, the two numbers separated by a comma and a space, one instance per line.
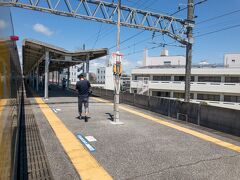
[3, 102]
[85, 164]
[179, 128]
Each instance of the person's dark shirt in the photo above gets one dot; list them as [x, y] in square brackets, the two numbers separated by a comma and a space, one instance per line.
[83, 87]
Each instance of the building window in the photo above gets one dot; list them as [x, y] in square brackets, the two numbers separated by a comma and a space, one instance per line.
[178, 95]
[140, 77]
[161, 78]
[228, 98]
[209, 78]
[161, 93]
[233, 60]
[232, 79]
[209, 97]
[179, 78]
[167, 62]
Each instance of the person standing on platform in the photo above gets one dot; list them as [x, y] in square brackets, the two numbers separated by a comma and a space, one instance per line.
[83, 86]
[64, 83]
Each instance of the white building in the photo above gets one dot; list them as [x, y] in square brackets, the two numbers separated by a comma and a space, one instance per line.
[163, 60]
[74, 71]
[232, 60]
[73, 74]
[100, 75]
[209, 82]
[105, 75]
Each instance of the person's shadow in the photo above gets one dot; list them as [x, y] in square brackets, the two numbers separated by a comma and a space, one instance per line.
[110, 116]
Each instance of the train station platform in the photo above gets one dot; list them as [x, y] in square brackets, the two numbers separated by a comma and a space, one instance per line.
[146, 146]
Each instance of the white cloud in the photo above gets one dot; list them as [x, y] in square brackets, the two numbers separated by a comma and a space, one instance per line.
[42, 29]
[3, 24]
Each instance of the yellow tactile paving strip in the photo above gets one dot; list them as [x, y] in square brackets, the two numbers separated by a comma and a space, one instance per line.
[85, 164]
[3, 102]
[179, 128]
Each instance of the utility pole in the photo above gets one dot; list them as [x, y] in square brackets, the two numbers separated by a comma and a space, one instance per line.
[189, 50]
[117, 68]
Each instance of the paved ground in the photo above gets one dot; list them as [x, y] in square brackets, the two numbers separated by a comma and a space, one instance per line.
[139, 149]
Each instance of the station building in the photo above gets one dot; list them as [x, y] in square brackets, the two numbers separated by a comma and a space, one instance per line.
[165, 76]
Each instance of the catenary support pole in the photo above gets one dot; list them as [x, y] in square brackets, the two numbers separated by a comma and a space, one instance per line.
[58, 79]
[87, 67]
[53, 77]
[189, 51]
[37, 78]
[117, 75]
[47, 61]
[68, 77]
[33, 79]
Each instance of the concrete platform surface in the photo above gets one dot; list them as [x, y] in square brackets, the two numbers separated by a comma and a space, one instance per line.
[140, 148]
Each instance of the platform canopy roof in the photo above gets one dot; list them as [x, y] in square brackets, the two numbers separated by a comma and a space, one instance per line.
[34, 53]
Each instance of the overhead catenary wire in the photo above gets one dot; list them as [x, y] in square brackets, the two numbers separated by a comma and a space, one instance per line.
[129, 38]
[137, 34]
[154, 47]
[219, 16]
[200, 35]
[99, 31]
[218, 30]
[99, 34]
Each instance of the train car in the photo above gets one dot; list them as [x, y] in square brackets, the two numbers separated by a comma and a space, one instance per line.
[10, 97]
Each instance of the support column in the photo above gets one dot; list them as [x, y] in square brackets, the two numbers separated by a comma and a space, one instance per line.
[223, 79]
[188, 67]
[87, 67]
[194, 95]
[195, 78]
[56, 72]
[58, 79]
[68, 77]
[33, 85]
[171, 94]
[47, 61]
[151, 78]
[37, 78]
[53, 77]
[30, 79]
[222, 97]
[83, 68]
[172, 77]
[150, 92]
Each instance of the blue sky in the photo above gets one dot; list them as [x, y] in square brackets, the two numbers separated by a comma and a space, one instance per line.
[72, 33]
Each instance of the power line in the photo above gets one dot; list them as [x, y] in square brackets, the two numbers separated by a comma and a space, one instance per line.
[128, 39]
[214, 26]
[127, 47]
[99, 34]
[99, 31]
[219, 30]
[144, 30]
[217, 17]
[111, 28]
[131, 36]
[139, 51]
